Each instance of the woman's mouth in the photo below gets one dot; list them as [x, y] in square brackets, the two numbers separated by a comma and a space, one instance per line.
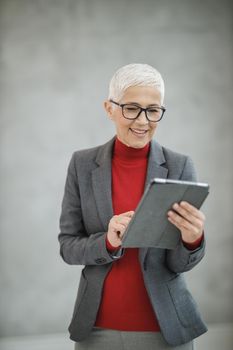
[138, 132]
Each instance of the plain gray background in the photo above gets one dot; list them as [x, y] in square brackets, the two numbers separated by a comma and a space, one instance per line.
[56, 60]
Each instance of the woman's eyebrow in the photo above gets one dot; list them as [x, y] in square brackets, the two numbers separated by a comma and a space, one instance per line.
[138, 104]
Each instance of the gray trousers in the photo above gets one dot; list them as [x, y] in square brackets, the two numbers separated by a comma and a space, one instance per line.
[108, 339]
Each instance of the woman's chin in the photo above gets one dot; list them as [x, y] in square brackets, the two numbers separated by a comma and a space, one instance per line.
[138, 144]
[134, 142]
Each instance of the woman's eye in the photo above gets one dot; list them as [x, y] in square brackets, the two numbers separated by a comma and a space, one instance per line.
[132, 108]
[154, 110]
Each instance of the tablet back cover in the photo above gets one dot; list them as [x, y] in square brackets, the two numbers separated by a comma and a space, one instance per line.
[149, 226]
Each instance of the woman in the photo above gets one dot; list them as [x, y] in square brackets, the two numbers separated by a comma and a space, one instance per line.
[129, 298]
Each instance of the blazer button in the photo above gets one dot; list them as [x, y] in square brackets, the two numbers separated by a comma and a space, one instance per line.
[100, 261]
[192, 259]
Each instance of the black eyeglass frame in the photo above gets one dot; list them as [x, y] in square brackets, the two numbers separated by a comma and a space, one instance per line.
[141, 110]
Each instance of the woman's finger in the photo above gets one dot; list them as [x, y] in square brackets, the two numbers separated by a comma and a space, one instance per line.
[192, 210]
[119, 227]
[127, 214]
[181, 224]
[124, 221]
[198, 222]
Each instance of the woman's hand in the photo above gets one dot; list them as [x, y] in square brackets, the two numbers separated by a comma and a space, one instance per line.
[188, 219]
[117, 226]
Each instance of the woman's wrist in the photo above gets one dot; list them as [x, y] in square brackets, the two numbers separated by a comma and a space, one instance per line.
[111, 248]
[194, 245]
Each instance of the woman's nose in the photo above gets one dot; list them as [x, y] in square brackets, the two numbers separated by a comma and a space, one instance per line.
[142, 119]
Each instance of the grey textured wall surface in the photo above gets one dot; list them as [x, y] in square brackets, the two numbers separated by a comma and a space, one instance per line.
[56, 60]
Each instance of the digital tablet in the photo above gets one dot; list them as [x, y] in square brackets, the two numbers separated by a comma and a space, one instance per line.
[149, 226]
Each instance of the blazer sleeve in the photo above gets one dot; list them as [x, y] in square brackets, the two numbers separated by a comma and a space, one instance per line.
[182, 259]
[76, 246]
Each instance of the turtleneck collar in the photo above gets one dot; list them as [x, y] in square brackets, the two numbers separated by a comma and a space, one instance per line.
[129, 153]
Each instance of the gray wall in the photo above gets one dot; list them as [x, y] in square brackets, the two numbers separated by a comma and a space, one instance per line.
[55, 63]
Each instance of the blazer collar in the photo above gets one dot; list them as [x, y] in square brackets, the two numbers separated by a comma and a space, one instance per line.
[102, 183]
[105, 152]
[156, 163]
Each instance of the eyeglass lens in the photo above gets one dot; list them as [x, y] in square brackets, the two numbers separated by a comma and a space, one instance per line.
[131, 112]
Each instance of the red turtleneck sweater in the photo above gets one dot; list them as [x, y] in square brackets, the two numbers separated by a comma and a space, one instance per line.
[125, 304]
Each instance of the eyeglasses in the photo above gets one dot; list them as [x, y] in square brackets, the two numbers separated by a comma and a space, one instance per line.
[132, 111]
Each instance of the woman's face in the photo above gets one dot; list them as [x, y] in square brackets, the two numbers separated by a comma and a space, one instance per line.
[134, 133]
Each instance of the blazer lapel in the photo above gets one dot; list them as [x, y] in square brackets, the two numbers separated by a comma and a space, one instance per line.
[102, 183]
[156, 163]
[156, 168]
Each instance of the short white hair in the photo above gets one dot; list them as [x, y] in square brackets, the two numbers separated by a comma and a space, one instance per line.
[135, 74]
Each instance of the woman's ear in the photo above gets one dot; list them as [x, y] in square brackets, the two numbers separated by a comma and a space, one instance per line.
[108, 108]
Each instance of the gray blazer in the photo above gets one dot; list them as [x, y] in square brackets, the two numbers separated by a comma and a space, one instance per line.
[86, 211]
